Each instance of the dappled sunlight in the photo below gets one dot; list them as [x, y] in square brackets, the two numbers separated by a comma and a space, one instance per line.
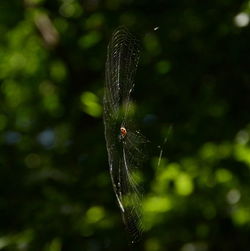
[187, 177]
[191, 101]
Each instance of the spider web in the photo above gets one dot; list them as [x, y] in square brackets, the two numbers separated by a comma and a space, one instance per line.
[125, 153]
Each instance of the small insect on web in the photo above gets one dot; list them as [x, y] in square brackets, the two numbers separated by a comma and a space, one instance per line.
[124, 144]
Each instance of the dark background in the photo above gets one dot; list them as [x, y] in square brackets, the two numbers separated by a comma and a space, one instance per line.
[192, 88]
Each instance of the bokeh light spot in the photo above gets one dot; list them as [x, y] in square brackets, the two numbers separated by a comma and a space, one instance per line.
[241, 20]
[163, 67]
[46, 138]
[157, 204]
[241, 215]
[184, 184]
[89, 40]
[242, 137]
[90, 104]
[233, 196]
[95, 214]
[223, 175]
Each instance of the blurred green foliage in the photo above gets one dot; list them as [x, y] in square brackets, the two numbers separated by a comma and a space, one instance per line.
[193, 76]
